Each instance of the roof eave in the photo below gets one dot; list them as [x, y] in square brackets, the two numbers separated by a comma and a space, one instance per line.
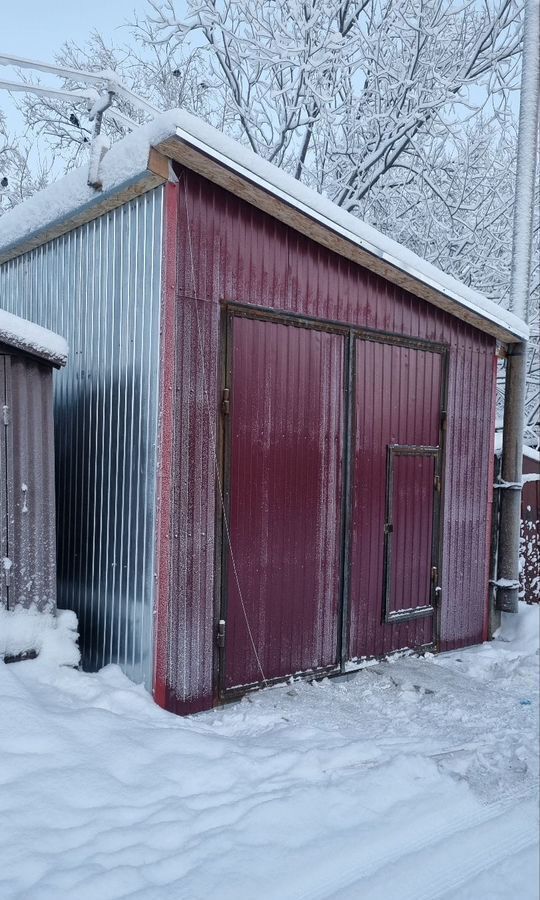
[155, 174]
[192, 153]
[195, 154]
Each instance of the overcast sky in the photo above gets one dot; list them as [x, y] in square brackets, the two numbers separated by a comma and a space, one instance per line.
[38, 27]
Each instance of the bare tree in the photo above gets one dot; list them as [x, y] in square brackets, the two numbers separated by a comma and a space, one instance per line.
[21, 174]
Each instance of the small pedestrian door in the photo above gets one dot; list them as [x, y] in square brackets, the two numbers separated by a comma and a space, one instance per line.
[394, 577]
[282, 556]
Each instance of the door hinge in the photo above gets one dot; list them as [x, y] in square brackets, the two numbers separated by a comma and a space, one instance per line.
[437, 483]
[388, 528]
[220, 636]
[434, 575]
[5, 413]
[443, 419]
[225, 401]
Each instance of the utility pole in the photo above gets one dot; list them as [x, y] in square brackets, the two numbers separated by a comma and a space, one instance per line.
[514, 403]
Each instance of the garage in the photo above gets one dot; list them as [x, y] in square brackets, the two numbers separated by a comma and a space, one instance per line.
[276, 428]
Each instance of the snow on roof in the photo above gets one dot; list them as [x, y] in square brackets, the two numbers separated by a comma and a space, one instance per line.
[125, 160]
[34, 339]
[128, 158]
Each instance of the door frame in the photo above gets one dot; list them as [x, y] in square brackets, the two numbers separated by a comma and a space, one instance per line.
[350, 333]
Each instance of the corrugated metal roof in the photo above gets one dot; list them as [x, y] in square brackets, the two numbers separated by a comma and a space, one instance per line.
[181, 136]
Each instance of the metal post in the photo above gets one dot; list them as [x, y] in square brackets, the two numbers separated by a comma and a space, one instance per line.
[514, 404]
[510, 503]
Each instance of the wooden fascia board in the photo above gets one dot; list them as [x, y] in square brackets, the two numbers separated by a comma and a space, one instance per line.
[193, 158]
[156, 173]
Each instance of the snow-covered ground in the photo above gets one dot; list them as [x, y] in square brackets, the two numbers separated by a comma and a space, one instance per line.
[413, 779]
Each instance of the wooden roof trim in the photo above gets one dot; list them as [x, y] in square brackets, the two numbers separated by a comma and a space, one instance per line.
[195, 159]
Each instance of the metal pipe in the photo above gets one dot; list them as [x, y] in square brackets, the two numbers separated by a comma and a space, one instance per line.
[89, 96]
[98, 78]
[514, 403]
[510, 502]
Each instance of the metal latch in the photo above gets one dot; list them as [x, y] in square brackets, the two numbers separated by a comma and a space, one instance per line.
[5, 412]
[220, 637]
[225, 402]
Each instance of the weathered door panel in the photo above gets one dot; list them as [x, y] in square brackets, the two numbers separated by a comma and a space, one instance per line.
[282, 575]
[398, 405]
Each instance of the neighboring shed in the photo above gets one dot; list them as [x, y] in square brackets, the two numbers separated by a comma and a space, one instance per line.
[275, 453]
[530, 525]
[28, 354]
[530, 521]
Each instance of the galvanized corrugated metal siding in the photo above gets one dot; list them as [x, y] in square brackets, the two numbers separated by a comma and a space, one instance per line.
[31, 499]
[229, 250]
[99, 286]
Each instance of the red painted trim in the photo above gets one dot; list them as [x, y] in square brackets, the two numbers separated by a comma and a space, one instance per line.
[489, 517]
[167, 377]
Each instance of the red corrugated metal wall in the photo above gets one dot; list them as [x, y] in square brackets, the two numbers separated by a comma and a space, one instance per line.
[228, 251]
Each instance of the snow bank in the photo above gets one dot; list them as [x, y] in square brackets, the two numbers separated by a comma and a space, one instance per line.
[416, 780]
[52, 637]
[33, 338]
[128, 159]
[521, 633]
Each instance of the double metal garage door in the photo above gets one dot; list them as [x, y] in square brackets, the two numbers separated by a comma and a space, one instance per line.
[332, 481]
